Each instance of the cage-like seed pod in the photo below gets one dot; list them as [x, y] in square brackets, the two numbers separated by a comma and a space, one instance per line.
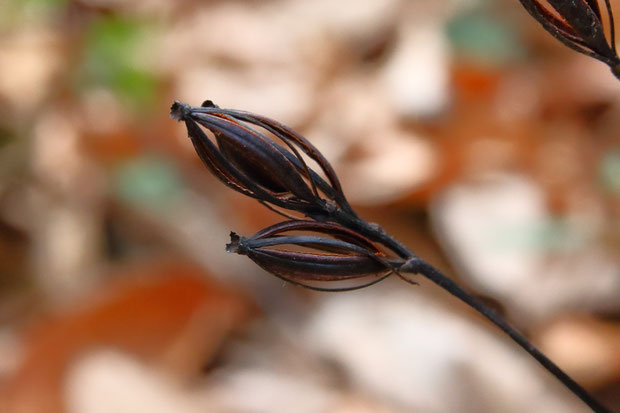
[579, 25]
[262, 158]
[323, 254]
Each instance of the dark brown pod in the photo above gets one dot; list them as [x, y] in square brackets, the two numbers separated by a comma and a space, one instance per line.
[261, 158]
[579, 25]
[326, 253]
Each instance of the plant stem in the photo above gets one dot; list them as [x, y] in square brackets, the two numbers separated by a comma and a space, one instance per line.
[419, 266]
[415, 265]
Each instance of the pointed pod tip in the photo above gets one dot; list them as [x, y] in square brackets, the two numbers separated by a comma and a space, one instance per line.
[235, 244]
[209, 104]
[179, 110]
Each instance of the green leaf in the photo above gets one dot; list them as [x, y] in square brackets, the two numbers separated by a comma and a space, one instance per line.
[609, 172]
[484, 38]
[147, 182]
[116, 58]
[18, 12]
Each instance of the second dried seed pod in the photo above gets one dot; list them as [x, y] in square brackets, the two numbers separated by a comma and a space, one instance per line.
[316, 255]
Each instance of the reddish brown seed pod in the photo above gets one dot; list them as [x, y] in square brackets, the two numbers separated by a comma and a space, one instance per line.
[262, 158]
[579, 24]
[325, 252]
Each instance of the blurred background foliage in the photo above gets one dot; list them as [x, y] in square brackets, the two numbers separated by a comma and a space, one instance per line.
[460, 126]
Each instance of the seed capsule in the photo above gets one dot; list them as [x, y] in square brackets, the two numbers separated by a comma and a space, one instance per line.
[579, 25]
[326, 253]
[248, 160]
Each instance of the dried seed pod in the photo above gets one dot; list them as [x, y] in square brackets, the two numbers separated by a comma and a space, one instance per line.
[579, 25]
[325, 253]
[252, 161]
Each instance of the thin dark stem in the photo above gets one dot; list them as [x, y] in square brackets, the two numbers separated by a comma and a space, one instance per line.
[372, 231]
[415, 265]
[428, 271]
